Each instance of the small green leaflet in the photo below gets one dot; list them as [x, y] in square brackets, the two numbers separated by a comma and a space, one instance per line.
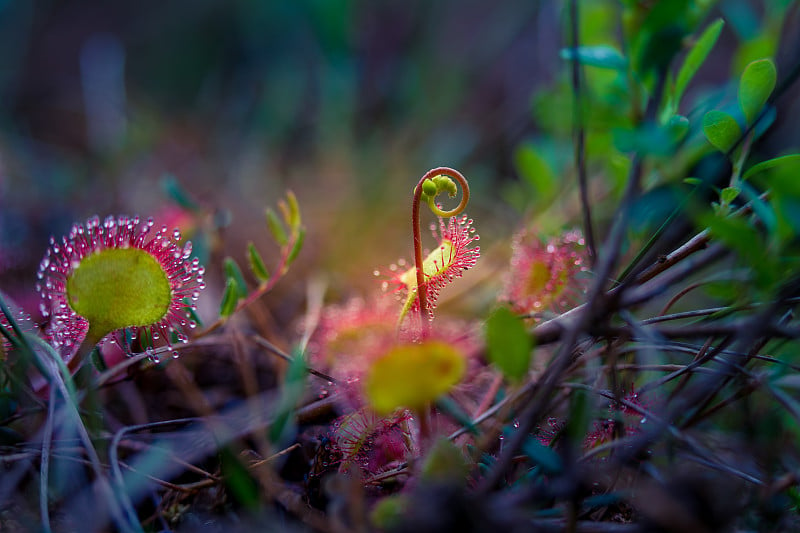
[276, 227]
[298, 245]
[177, 193]
[729, 194]
[232, 270]
[229, 298]
[257, 265]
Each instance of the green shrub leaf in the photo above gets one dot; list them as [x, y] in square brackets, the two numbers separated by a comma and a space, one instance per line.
[534, 169]
[729, 194]
[602, 56]
[755, 86]
[695, 58]
[792, 159]
[721, 130]
[508, 343]
[748, 244]
[678, 127]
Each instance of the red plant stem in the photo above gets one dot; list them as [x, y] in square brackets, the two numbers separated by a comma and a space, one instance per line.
[425, 429]
[262, 289]
[423, 301]
[438, 171]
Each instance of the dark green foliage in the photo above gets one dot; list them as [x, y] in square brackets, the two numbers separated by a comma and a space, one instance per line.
[596, 56]
[543, 456]
[283, 427]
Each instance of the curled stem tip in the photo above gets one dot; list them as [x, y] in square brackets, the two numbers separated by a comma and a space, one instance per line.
[434, 182]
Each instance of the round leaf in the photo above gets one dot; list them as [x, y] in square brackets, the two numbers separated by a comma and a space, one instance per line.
[508, 343]
[755, 86]
[721, 130]
[413, 375]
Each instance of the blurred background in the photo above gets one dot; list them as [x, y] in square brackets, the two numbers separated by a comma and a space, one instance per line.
[122, 107]
[345, 102]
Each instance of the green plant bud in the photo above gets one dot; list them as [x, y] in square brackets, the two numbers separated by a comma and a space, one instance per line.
[445, 184]
[429, 188]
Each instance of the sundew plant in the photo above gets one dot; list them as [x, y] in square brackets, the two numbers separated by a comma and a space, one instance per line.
[590, 328]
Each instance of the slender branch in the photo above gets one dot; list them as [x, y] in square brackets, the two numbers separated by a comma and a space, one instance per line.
[695, 313]
[597, 302]
[556, 328]
[749, 338]
[579, 134]
[264, 343]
